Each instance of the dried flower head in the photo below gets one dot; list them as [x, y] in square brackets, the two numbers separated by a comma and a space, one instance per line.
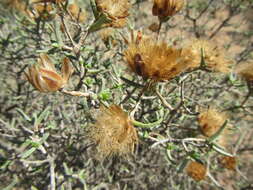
[213, 56]
[245, 70]
[196, 170]
[43, 11]
[43, 75]
[76, 12]
[155, 60]
[113, 133]
[165, 8]
[17, 5]
[228, 162]
[210, 121]
[115, 10]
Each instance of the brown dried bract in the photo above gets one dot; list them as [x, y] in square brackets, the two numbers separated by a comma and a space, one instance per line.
[113, 133]
[43, 75]
[214, 57]
[155, 60]
[210, 121]
[245, 70]
[228, 162]
[165, 8]
[196, 170]
[43, 11]
[115, 10]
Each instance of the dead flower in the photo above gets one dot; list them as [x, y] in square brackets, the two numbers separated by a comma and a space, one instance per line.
[210, 121]
[166, 8]
[43, 11]
[196, 170]
[245, 70]
[228, 162]
[113, 133]
[213, 56]
[155, 60]
[43, 75]
[115, 10]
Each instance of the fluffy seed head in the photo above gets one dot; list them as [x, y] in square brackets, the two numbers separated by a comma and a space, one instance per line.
[210, 121]
[165, 8]
[245, 70]
[228, 162]
[43, 75]
[113, 133]
[196, 170]
[155, 60]
[115, 10]
[213, 56]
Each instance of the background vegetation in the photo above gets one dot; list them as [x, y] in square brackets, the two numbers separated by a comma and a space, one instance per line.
[43, 141]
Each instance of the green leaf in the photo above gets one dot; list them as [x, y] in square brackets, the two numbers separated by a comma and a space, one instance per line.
[217, 134]
[98, 23]
[94, 8]
[42, 116]
[27, 153]
[104, 95]
[147, 125]
[182, 165]
[26, 117]
[220, 150]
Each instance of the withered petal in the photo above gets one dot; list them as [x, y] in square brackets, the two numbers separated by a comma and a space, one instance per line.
[46, 62]
[66, 69]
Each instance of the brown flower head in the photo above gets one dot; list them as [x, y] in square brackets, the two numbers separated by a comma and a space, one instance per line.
[155, 60]
[166, 8]
[44, 11]
[43, 75]
[213, 56]
[113, 133]
[115, 10]
[196, 170]
[228, 162]
[245, 70]
[210, 121]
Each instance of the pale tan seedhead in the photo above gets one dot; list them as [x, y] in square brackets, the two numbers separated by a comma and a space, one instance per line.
[115, 10]
[155, 60]
[213, 56]
[210, 121]
[113, 133]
